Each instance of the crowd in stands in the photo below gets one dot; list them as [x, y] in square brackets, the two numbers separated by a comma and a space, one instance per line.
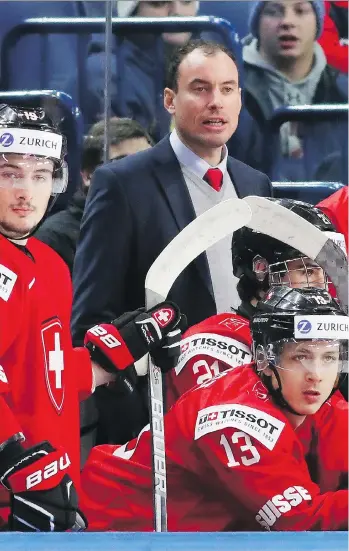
[306, 65]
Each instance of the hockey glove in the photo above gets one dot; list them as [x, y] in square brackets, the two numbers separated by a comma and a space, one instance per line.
[117, 345]
[43, 497]
[166, 356]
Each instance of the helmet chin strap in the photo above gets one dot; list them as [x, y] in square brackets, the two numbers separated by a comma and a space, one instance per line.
[277, 392]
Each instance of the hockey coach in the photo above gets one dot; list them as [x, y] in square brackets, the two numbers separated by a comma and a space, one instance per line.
[137, 205]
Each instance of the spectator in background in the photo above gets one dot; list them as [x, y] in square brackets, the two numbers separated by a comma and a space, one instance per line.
[137, 85]
[126, 137]
[284, 65]
[169, 8]
[61, 230]
[334, 38]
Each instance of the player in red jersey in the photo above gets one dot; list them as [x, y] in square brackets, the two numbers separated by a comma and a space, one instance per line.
[42, 377]
[336, 208]
[243, 449]
[259, 261]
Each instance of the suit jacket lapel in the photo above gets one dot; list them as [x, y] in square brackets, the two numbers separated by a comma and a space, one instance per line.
[232, 170]
[169, 176]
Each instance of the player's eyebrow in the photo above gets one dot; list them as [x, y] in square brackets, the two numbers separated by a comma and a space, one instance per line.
[19, 167]
[47, 170]
[301, 350]
[9, 165]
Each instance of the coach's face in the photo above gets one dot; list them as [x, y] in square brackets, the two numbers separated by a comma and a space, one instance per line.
[207, 102]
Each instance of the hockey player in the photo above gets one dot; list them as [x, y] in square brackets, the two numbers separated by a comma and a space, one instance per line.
[242, 449]
[42, 377]
[336, 208]
[260, 262]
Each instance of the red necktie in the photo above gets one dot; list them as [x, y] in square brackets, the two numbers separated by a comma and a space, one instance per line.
[214, 177]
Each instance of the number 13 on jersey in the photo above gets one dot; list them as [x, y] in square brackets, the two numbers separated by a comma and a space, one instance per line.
[244, 451]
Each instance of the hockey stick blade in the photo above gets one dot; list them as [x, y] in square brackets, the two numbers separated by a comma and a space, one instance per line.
[203, 232]
[286, 226]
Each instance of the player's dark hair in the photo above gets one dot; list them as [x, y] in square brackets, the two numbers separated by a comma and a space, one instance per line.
[92, 153]
[120, 130]
[208, 47]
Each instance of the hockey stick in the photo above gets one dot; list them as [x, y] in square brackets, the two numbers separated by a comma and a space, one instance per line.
[286, 226]
[203, 232]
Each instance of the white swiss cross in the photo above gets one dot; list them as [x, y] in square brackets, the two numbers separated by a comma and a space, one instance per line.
[213, 416]
[55, 361]
[163, 316]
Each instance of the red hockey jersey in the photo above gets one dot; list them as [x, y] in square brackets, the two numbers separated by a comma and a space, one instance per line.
[208, 348]
[46, 376]
[234, 462]
[335, 46]
[336, 208]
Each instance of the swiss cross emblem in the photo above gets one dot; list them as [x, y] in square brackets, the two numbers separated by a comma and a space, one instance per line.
[51, 336]
[164, 316]
[213, 416]
[184, 347]
[260, 391]
[234, 323]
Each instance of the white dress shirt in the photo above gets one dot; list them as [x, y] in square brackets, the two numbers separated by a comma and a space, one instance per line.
[203, 197]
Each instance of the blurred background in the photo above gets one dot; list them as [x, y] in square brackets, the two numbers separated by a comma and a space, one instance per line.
[293, 127]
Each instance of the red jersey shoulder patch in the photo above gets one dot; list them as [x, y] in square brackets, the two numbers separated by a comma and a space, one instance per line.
[51, 336]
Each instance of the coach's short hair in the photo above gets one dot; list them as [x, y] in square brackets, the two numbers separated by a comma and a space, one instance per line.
[207, 46]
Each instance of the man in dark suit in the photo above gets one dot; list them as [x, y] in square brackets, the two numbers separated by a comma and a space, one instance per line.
[137, 205]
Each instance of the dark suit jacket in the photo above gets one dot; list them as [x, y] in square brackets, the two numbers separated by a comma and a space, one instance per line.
[134, 208]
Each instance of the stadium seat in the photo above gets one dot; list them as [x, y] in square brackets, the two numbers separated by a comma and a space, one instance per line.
[42, 61]
[324, 136]
[61, 108]
[310, 192]
[235, 12]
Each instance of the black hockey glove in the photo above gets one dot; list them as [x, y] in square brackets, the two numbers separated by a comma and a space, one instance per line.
[43, 497]
[166, 356]
[117, 345]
